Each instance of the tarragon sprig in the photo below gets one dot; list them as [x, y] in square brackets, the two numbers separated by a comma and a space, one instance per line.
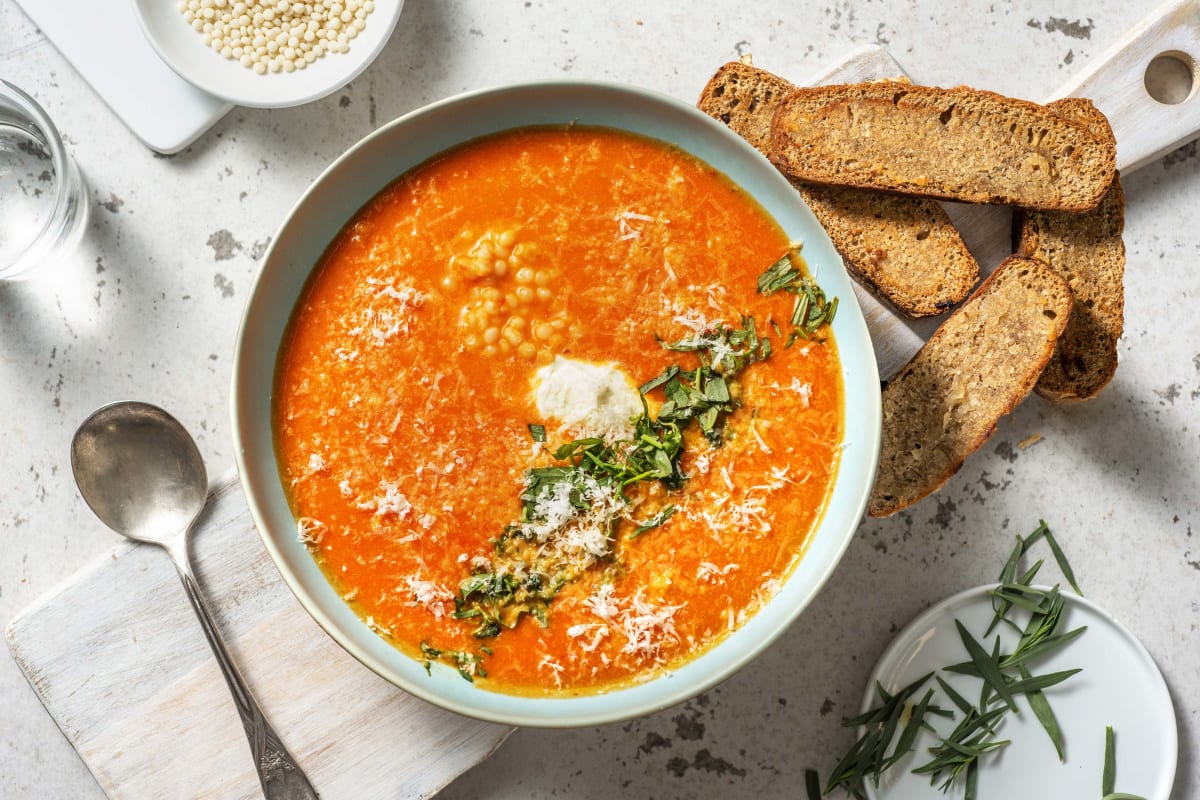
[1004, 677]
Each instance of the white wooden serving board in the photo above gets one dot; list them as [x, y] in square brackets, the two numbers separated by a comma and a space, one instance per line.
[104, 43]
[120, 662]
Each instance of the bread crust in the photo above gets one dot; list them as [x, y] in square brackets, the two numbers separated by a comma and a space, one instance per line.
[982, 362]
[905, 249]
[973, 146]
[1088, 250]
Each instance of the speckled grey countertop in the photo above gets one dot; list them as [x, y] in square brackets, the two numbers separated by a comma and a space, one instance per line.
[148, 307]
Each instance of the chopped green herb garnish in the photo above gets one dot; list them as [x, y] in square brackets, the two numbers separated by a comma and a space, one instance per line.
[870, 755]
[655, 521]
[1108, 780]
[971, 783]
[988, 669]
[812, 784]
[538, 432]
[811, 310]
[724, 350]
[468, 664]
[961, 749]
[783, 274]
[1041, 710]
[909, 735]
[1043, 531]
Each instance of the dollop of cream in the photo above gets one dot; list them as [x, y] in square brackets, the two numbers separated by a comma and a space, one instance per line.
[587, 399]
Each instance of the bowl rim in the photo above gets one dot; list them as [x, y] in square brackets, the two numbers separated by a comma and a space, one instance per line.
[357, 60]
[869, 419]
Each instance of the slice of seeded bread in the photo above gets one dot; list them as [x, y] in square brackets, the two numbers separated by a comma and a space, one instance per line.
[1088, 251]
[903, 248]
[983, 360]
[957, 144]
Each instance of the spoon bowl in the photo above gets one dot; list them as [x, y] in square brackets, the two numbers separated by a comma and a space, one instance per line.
[139, 471]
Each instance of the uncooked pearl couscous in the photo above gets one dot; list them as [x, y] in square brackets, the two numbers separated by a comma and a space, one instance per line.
[277, 35]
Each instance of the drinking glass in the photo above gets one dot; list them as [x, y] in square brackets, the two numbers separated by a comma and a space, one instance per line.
[43, 198]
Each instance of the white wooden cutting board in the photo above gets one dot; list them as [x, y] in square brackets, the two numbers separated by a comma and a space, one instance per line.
[120, 662]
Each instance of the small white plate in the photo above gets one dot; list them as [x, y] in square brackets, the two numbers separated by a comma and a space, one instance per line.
[1119, 686]
[183, 49]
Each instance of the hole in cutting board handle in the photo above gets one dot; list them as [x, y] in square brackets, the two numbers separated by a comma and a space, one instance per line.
[1171, 77]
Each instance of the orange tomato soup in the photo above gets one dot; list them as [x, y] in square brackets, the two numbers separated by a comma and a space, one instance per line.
[405, 392]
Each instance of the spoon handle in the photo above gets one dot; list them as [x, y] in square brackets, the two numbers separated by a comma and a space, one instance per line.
[281, 776]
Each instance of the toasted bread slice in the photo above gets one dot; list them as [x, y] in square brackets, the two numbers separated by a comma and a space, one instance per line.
[957, 144]
[903, 248]
[1088, 251]
[983, 360]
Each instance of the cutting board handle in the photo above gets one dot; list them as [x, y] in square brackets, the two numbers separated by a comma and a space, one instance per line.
[1116, 82]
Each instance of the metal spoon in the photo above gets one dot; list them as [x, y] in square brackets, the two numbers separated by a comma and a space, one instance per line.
[143, 476]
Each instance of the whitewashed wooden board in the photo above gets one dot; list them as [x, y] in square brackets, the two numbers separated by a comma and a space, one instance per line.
[120, 662]
[122, 666]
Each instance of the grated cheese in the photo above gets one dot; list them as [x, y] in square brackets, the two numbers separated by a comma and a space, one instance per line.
[382, 325]
[670, 270]
[428, 595]
[748, 515]
[703, 333]
[696, 322]
[802, 389]
[716, 295]
[571, 533]
[762, 444]
[599, 632]
[602, 604]
[625, 231]
[555, 668]
[310, 530]
[390, 502]
[711, 573]
[725, 477]
[646, 627]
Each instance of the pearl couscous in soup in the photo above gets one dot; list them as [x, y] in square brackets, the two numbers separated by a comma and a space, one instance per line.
[559, 409]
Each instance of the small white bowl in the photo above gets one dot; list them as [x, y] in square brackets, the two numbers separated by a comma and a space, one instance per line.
[183, 49]
[345, 187]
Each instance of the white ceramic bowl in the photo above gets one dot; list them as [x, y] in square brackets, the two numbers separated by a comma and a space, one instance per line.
[367, 168]
[184, 51]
